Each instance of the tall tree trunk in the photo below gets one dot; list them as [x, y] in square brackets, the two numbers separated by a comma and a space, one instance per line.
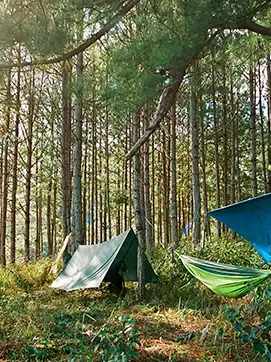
[66, 150]
[262, 130]
[203, 167]
[50, 233]
[239, 189]
[107, 211]
[268, 67]
[252, 101]
[174, 228]
[147, 201]
[29, 140]
[77, 188]
[138, 211]
[130, 178]
[233, 141]
[37, 237]
[101, 206]
[15, 170]
[84, 191]
[217, 175]
[6, 179]
[153, 191]
[195, 160]
[225, 141]
[93, 172]
[125, 216]
[165, 191]
[53, 224]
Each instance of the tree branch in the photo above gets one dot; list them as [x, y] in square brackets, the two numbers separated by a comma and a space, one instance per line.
[165, 102]
[87, 43]
[254, 27]
[168, 96]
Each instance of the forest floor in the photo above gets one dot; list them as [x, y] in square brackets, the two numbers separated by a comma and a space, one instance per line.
[179, 320]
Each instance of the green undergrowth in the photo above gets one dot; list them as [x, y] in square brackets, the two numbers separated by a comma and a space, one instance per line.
[179, 319]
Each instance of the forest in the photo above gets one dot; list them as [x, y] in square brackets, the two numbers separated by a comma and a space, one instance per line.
[142, 114]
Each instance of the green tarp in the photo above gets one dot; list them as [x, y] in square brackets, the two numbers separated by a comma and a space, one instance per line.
[90, 265]
[225, 279]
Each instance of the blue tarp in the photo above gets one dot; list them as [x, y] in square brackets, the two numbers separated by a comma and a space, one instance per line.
[251, 219]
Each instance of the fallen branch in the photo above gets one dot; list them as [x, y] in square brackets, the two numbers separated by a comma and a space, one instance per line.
[60, 253]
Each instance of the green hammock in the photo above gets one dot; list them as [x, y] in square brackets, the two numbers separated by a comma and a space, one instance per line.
[224, 279]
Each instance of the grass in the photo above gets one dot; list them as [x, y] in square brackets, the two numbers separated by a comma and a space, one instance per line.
[179, 320]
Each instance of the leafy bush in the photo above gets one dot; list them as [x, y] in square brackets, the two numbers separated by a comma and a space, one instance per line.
[117, 344]
[259, 335]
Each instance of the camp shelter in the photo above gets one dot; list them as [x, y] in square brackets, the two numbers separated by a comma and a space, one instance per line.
[251, 219]
[90, 265]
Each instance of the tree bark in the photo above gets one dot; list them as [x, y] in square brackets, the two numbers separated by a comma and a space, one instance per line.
[268, 69]
[174, 228]
[6, 174]
[195, 159]
[77, 186]
[203, 168]
[15, 171]
[147, 201]
[252, 102]
[262, 130]
[217, 175]
[225, 141]
[165, 190]
[138, 212]
[29, 140]
[66, 150]
[233, 142]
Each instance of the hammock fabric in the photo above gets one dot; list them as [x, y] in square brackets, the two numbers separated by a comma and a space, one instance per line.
[224, 279]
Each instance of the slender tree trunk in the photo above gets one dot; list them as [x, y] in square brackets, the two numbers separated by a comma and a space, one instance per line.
[138, 211]
[50, 234]
[262, 130]
[15, 171]
[195, 161]
[174, 228]
[165, 192]
[37, 238]
[66, 150]
[217, 176]
[125, 179]
[203, 167]
[130, 178]
[252, 99]
[159, 199]
[153, 192]
[101, 206]
[107, 211]
[239, 190]
[6, 179]
[2, 145]
[233, 141]
[29, 139]
[54, 220]
[268, 67]
[225, 141]
[84, 192]
[147, 201]
[77, 188]
[93, 174]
